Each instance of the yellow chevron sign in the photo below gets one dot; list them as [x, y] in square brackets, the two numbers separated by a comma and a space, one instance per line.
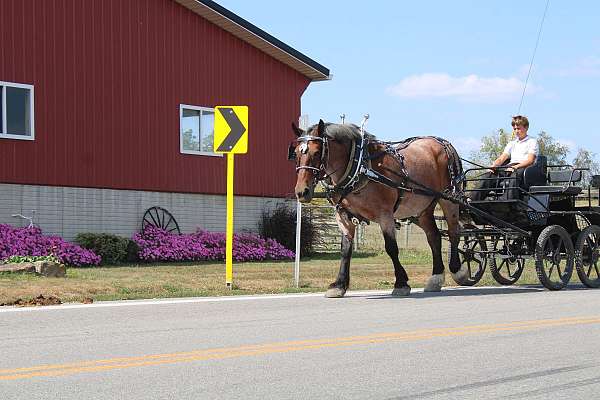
[231, 129]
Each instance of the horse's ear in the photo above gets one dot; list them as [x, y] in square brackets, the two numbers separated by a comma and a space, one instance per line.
[299, 132]
[321, 127]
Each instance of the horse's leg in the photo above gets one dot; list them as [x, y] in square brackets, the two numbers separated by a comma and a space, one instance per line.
[451, 212]
[388, 229]
[434, 238]
[341, 284]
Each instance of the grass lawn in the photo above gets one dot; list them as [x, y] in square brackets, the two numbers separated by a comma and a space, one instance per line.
[141, 281]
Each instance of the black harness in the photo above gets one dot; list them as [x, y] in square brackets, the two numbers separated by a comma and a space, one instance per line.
[359, 172]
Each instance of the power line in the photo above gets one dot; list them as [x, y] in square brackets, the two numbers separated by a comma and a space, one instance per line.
[533, 56]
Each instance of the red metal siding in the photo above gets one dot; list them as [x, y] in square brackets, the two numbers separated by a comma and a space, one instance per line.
[109, 76]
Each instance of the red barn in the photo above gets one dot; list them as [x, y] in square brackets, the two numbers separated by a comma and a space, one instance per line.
[107, 109]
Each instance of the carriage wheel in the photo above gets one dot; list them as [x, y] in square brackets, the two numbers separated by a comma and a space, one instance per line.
[588, 254]
[469, 254]
[509, 268]
[554, 257]
[160, 218]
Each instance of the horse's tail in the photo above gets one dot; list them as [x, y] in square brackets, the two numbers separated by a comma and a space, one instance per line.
[455, 167]
[457, 176]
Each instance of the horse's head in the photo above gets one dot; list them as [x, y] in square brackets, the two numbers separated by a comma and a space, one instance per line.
[309, 151]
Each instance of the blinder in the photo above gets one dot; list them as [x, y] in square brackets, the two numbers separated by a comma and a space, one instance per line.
[302, 141]
[292, 151]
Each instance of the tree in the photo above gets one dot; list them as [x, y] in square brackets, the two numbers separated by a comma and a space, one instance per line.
[586, 159]
[493, 145]
[555, 152]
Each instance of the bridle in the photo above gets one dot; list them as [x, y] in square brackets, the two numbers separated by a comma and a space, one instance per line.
[318, 172]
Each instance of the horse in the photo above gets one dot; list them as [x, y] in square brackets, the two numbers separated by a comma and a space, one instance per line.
[412, 173]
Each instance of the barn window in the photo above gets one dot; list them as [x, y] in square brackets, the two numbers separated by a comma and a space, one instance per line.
[16, 111]
[196, 132]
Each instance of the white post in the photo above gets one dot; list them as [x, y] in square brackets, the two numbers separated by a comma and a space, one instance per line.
[298, 230]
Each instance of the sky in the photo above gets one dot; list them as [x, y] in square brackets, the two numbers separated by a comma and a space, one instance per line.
[454, 69]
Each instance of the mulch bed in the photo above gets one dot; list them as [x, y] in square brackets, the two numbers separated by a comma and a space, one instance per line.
[37, 301]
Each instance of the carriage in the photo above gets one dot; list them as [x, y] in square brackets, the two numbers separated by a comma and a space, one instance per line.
[367, 179]
[551, 220]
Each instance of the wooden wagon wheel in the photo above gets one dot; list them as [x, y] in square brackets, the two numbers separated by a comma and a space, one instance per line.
[160, 218]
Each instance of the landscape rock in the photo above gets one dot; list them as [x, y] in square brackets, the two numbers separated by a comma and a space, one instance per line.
[44, 268]
[17, 267]
[49, 268]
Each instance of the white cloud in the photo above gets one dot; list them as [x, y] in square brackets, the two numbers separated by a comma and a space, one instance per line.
[585, 67]
[470, 88]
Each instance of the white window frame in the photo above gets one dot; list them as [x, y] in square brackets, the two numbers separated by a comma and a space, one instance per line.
[3, 134]
[181, 149]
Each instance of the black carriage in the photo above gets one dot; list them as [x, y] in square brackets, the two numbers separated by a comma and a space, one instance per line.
[549, 218]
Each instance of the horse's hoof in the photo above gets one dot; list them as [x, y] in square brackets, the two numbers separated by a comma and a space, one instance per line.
[461, 275]
[335, 293]
[401, 292]
[435, 283]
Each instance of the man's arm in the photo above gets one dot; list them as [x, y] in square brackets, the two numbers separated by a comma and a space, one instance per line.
[499, 161]
[524, 164]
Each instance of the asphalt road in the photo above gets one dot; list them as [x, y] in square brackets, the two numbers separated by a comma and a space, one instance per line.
[514, 343]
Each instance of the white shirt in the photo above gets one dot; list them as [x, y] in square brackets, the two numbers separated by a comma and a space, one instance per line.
[518, 150]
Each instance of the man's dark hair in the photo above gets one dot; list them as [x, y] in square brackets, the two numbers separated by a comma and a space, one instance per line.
[520, 120]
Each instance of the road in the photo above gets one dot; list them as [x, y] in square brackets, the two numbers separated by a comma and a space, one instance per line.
[513, 343]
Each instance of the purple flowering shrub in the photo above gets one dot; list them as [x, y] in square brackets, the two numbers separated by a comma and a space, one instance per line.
[156, 244]
[30, 242]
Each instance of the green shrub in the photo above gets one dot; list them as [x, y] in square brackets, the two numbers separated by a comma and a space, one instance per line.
[133, 250]
[112, 248]
[280, 224]
[30, 259]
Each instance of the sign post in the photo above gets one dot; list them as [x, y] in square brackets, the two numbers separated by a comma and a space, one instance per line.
[231, 137]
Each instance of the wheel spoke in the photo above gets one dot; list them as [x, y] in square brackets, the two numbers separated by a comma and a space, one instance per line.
[153, 219]
[550, 271]
[549, 250]
[161, 218]
[560, 245]
[472, 245]
[590, 243]
[520, 265]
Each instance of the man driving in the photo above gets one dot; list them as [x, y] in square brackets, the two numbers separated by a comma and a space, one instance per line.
[520, 152]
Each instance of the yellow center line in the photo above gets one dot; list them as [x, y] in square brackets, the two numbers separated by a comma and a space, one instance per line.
[280, 347]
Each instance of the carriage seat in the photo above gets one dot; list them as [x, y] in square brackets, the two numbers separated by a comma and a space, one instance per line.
[563, 177]
[535, 174]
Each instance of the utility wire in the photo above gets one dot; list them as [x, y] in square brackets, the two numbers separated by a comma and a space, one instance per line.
[533, 56]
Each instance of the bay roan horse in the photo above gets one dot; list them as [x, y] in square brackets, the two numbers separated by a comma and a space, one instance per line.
[323, 152]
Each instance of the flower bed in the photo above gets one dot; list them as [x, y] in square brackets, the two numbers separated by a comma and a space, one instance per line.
[158, 245]
[30, 242]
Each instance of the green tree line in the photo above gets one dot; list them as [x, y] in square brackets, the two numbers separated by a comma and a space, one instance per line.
[557, 153]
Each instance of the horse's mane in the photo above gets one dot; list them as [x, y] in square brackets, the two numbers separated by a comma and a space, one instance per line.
[341, 132]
